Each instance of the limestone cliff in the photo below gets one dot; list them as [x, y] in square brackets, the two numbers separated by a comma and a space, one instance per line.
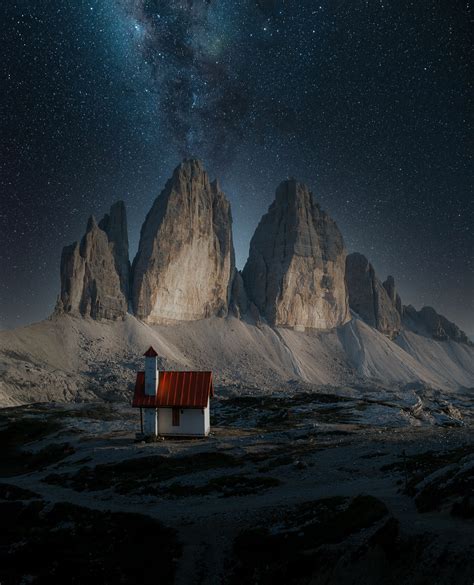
[90, 282]
[376, 303]
[295, 270]
[184, 267]
[114, 225]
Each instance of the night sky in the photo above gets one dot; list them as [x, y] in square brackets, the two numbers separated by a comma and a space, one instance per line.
[367, 101]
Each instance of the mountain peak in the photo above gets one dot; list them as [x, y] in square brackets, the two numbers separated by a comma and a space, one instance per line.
[190, 167]
[376, 303]
[91, 224]
[185, 262]
[94, 274]
[295, 270]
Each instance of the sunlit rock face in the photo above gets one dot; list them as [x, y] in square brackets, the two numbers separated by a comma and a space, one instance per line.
[376, 303]
[90, 282]
[184, 267]
[295, 271]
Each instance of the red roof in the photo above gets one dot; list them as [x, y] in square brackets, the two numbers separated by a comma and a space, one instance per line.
[184, 389]
[150, 352]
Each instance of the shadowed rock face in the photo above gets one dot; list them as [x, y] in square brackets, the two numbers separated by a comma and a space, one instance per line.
[375, 303]
[184, 267]
[238, 297]
[295, 270]
[428, 322]
[114, 224]
[90, 282]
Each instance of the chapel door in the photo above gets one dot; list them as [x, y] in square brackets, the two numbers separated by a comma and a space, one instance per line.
[175, 417]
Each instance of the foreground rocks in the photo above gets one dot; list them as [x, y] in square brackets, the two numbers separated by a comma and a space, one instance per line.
[185, 263]
[268, 499]
[374, 302]
[295, 271]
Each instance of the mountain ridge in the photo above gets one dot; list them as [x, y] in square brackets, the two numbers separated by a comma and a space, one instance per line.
[302, 312]
[71, 358]
[184, 268]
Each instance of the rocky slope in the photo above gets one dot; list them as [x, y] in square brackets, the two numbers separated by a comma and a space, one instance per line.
[184, 267]
[94, 272]
[70, 358]
[376, 303]
[295, 271]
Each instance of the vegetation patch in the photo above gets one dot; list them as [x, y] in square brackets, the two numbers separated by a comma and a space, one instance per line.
[100, 412]
[273, 411]
[452, 478]
[20, 431]
[275, 462]
[13, 492]
[16, 434]
[225, 486]
[132, 475]
[71, 544]
[288, 550]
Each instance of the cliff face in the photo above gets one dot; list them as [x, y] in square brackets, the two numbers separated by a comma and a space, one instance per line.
[295, 271]
[90, 282]
[297, 274]
[114, 224]
[376, 303]
[184, 267]
[430, 323]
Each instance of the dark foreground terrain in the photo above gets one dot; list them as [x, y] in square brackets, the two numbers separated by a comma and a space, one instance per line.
[310, 488]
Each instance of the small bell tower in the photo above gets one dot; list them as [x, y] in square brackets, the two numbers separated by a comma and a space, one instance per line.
[151, 372]
[151, 389]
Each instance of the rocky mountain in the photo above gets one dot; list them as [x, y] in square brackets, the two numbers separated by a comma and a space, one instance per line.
[428, 322]
[114, 225]
[376, 303]
[239, 302]
[295, 271]
[94, 274]
[296, 276]
[389, 286]
[184, 267]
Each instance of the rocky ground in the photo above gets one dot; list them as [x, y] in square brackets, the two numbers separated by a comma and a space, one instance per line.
[358, 486]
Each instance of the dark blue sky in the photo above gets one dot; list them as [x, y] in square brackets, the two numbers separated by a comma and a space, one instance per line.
[366, 101]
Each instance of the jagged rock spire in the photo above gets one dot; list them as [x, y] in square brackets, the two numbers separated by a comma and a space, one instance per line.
[185, 262]
[90, 271]
[375, 303]
[295, 270]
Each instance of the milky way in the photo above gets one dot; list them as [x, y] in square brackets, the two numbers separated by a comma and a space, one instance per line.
[366, 101]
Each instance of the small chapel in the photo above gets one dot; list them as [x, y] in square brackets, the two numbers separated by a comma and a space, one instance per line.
[172, 403]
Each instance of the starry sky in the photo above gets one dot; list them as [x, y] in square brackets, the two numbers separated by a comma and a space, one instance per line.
[367, 101]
